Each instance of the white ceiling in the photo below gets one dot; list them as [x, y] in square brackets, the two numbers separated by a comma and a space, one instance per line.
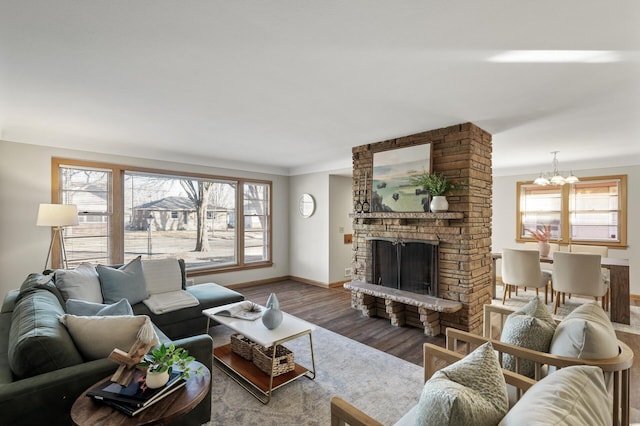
[290, 87]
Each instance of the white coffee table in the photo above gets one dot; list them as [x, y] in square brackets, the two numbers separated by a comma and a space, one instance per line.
[244, 372]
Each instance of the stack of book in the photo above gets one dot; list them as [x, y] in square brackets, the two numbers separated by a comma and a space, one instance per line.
[135, 397]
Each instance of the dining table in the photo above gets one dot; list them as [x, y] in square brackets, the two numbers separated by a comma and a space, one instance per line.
[619, 284]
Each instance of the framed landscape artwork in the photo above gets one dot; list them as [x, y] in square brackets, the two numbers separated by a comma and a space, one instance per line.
[391, 189]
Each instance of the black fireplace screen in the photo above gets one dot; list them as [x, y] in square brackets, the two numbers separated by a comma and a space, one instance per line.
[406, 265]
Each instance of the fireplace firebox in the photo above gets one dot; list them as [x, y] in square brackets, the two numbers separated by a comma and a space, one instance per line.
[410, 265]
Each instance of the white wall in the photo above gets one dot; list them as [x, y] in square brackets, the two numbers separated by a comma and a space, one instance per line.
[25, 182]
[504, 215]
[340, 205]
[308, 242]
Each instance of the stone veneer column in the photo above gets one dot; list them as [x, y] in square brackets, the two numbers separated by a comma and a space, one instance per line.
[462, 153]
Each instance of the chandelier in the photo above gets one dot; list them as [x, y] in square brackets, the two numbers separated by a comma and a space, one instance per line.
[554, 177]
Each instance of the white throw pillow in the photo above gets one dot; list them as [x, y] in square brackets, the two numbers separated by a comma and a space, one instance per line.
[97, 337]
[585, 333]
[531, 327]
[572, 396]
[81, 283]
[162, 275]
[470, 391]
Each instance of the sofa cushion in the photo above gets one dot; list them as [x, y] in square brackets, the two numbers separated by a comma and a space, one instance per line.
[531, 327]
[469, 391]
[162, 275]
[125, 282]
[585, 333]
[81, 283]
[38, 343]
[80, 307]
[572, 396]
[97, 337]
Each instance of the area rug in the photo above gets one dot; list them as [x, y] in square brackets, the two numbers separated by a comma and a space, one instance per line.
[383, 386]
[563, 310]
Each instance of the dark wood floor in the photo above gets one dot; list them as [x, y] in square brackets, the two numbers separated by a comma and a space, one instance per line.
[331, 309]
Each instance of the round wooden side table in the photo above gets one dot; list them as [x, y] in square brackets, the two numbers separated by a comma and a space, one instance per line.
[86, 411]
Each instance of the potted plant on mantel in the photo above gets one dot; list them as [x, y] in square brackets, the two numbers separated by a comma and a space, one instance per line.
[438, 186]
[161, 361]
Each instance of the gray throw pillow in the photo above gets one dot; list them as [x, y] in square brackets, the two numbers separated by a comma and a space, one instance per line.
[531, 327]
[471, 391]
[80, 307]
[81, 283]
[125, 282]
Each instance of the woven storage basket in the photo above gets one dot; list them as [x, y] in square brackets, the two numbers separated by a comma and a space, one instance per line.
[242, 346]
[283, 362]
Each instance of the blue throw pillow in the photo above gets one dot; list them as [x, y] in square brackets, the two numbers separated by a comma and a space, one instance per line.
[125, 282]
[87, 309]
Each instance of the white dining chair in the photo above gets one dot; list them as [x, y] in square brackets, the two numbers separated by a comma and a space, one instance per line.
[577, 273]
[521, 268]
[603, 251]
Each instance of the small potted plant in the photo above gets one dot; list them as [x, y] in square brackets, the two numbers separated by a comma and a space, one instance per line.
[438, 186]
[160, 363]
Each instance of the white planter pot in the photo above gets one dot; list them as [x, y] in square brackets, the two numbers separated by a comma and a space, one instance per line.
[157, 380]
[544, 247]
[439, 204]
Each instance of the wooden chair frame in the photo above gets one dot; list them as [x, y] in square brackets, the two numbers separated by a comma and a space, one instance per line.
[619, 366]
[435, 358]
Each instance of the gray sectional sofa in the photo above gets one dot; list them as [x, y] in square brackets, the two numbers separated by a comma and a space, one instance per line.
[42, 371]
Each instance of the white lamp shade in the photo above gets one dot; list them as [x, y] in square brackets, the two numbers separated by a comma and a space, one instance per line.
[57, 215]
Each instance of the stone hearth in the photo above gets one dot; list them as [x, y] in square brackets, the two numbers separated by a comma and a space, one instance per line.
[462, 153]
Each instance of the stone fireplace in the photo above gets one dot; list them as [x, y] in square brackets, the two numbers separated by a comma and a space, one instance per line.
[460, 238]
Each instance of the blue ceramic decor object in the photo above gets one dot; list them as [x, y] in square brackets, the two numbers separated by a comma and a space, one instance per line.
[272, 316]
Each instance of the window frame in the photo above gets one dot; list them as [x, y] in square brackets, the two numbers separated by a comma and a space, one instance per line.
[117, 226]
[565, 213]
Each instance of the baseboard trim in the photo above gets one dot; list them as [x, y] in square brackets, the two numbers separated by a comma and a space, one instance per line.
[285, 278]
[258, 282]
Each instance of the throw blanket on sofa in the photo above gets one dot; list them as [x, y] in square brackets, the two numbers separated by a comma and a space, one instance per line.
[161, 303]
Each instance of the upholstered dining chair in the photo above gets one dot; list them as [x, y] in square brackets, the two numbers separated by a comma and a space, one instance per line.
[577, 273]
[521, 268]
[602, 251]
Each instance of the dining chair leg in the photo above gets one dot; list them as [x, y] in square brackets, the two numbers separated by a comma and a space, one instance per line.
[504, 293]
[555, 306]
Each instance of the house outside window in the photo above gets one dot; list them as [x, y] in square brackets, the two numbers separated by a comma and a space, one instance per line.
[592, 211]
[127, 212]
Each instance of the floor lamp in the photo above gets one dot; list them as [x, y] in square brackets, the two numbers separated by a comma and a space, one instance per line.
[57, 216]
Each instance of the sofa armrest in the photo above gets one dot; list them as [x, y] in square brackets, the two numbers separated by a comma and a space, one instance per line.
[9, 301]
[39, 399]
[200, 347]
[343, 413]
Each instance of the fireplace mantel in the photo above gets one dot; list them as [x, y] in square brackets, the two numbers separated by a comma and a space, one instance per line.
[407, 215]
